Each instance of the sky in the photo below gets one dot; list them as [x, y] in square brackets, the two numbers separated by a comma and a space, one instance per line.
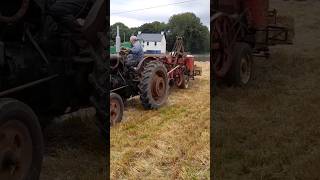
[162, 11]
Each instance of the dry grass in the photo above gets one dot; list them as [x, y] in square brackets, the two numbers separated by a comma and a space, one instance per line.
[169, 143]
[271, 129]
[74, 150]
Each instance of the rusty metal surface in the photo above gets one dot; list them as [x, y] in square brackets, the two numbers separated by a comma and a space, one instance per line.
[256, 10]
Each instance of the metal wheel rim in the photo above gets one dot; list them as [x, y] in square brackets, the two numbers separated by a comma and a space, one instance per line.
[180, 79]
[15, 150]
[222, 45]
[115, 110]
[245, 70]
[158, 88]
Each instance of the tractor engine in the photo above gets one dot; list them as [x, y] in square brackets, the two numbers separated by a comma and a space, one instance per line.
[116, 81]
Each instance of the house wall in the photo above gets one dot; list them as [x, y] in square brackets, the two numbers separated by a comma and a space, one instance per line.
[161, 46]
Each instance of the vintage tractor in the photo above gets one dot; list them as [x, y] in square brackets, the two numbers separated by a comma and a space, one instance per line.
[242, 29]
[45, 73]
[150, 79]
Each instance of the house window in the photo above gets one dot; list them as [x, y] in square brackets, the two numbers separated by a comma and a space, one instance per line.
[147, 43]
[155, 43]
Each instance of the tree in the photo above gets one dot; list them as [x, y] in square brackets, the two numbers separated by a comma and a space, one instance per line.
[125, 32]
[134, 30]
[195, 35]
[154, 27]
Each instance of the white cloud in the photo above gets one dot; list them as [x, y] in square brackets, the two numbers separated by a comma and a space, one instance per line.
[118, 11]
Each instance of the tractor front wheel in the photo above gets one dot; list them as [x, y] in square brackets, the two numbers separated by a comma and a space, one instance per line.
[116, 109]
[21, 141]
[154, 85]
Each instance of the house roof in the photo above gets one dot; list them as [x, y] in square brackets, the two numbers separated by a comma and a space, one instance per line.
[150, 37]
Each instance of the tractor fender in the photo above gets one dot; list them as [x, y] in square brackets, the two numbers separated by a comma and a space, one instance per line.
[144, 61]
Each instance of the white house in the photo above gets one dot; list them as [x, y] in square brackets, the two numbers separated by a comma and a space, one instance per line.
[153, 42]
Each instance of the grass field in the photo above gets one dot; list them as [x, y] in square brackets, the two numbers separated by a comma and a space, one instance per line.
[169, 143]
[271, 129]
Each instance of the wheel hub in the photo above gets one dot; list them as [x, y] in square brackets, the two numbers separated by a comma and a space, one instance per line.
[114, 110]
[158, 88]
[15, 150]
[245, 70]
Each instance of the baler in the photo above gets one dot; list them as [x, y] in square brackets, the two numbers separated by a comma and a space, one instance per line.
[242, 29]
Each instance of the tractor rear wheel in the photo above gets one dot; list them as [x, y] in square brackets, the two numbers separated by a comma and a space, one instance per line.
[21, 141]
[154, 85]
[241, 71]
[116, 109]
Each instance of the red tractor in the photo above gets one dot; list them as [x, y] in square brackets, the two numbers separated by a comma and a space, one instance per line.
[150, 79]
[242, 29]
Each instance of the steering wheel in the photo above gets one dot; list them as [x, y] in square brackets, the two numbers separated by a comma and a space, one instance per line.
[124, 52]
[18, 15]
[115, 62]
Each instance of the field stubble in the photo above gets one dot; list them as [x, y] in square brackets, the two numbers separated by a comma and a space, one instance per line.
[169, 143]
[271, 129]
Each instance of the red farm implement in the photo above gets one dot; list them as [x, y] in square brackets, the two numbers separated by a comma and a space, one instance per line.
[180, 66]
[242, 29]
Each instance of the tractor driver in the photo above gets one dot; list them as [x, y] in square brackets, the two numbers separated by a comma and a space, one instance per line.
[135, 53]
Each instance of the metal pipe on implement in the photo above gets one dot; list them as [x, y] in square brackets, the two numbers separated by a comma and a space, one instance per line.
[173, 69]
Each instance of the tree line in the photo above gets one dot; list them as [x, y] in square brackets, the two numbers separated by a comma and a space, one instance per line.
[196, 36]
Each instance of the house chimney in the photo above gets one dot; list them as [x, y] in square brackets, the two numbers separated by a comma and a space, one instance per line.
[118, 41]
[139, 32]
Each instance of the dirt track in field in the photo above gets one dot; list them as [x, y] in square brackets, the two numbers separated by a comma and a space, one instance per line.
[271, 129]
[169, 143]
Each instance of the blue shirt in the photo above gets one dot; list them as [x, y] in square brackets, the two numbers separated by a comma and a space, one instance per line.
[137, 51]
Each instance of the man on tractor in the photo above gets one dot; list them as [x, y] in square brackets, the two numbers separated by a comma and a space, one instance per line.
[135, 53]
